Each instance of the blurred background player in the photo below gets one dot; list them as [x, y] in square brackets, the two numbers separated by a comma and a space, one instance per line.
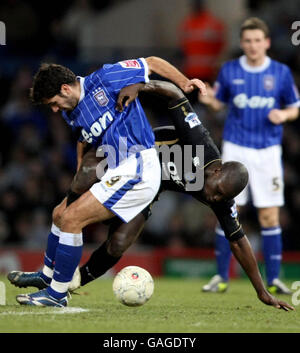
[261, 95]
[202, 41]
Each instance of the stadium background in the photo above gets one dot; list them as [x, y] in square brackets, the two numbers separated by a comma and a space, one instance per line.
[38, 154]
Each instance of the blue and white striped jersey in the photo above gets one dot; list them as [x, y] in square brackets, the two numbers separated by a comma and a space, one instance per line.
[251, 93]
[101, 124]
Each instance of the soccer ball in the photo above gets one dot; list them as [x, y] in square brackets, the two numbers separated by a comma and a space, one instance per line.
[133, 286]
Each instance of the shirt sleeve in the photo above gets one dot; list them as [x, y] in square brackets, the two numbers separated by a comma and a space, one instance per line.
[80, 138]
[227, 216]
[125, 73]
[221, 86]
[289, 92]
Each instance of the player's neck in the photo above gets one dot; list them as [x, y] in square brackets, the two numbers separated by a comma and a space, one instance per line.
[77, 90]
[256, 62]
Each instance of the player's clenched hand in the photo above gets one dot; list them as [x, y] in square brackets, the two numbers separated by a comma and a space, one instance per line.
[195, 83]
[277, 116]
[268, 299]
[210, 94]
[127, 95]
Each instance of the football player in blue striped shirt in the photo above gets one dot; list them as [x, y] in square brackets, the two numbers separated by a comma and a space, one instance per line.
[261, 95]
[133, 173]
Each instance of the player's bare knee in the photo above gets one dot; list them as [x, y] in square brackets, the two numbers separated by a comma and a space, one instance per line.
[57, 213]
[70, 217]
[268, 218]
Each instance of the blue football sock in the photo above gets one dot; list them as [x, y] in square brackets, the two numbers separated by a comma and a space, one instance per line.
[223, 254]
[50, 252]
[272, 251]
[68, 255]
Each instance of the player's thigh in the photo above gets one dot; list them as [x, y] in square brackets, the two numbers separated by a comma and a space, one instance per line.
[232, 152]
[58, 211]
[122, 235]
[86, 210]
[268, 217]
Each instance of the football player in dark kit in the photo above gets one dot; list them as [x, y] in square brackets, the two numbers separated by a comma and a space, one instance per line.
[222, 182]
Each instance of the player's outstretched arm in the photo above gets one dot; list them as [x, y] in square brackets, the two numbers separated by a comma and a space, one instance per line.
[243, 252]
[210, 100]
[167, 70]
[163, 89]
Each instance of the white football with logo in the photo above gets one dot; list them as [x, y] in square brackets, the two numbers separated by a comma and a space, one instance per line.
[133, 286]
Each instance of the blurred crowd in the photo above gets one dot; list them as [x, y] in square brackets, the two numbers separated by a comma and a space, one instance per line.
[38, 149]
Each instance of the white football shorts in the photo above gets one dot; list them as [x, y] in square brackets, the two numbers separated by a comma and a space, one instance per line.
[130, 187]
[265, 169]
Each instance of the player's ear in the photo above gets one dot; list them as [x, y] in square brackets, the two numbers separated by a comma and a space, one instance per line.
[268, 43]
[65, 88]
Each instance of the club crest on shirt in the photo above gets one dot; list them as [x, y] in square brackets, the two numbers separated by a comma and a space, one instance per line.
[101, 97]
[269, 82]
[192, 119]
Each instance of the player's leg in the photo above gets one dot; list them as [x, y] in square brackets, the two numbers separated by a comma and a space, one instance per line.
[121, 236]
[84, 178]
[272, 248]
[42, 278]
[82, 181]
[125, 191]
[268, 196]
[68, 251]
[271, 241]
[86, 210]
[53, 237]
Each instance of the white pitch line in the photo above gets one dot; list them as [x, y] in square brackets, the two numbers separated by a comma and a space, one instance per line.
[54, 311]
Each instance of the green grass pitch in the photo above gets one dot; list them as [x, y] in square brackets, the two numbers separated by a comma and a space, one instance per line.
[177, 306]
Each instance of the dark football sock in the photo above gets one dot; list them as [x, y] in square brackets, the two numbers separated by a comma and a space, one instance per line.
[99, 262]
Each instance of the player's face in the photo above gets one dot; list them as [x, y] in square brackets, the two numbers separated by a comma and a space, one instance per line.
[254, 44]
[213, 189]
[65, 100]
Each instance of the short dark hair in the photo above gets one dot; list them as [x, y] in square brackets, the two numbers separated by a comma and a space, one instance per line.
[48, 80]
[235, 178]
[255, 23]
